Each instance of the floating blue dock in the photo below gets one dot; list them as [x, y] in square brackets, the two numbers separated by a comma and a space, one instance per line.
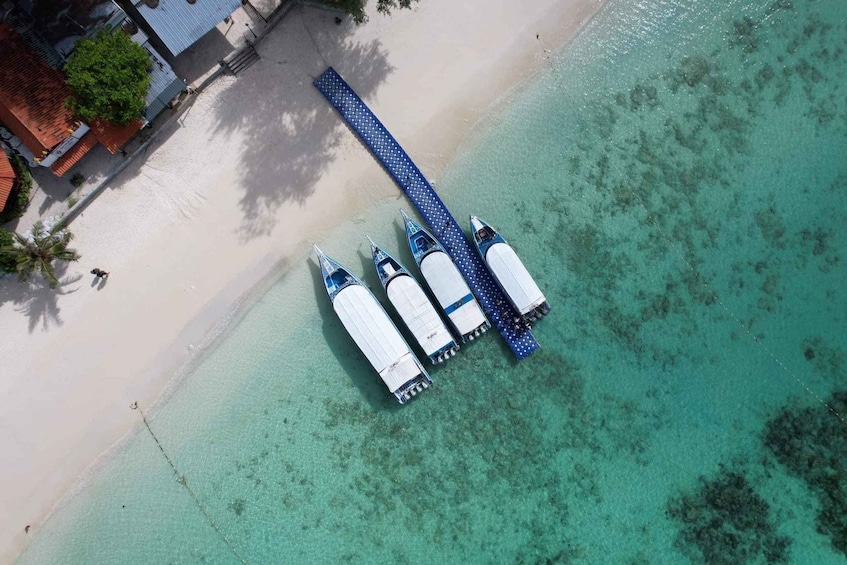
[407, 176]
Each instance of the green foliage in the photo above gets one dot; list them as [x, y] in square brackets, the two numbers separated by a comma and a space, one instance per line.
[109, 78]
[356, 8]
[19, 198]
[7, 262]
[78, 179]
[36, 251]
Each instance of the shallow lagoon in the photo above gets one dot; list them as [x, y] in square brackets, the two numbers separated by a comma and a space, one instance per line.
[677, 180]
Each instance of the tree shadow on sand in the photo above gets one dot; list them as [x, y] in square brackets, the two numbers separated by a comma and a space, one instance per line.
[290, 130]
[36, 300]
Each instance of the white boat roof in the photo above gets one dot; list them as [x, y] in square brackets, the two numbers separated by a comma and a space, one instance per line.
[449, 287]
[400, 373]
[420, 315]
[375, 334]
[467, 317]
[444, 278]
[513, 277]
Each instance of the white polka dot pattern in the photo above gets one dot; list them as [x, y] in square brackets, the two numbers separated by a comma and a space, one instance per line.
[404, 172]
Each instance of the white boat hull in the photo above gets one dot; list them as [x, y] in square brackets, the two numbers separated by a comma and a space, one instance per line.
[453, 294]
[410, 301]
[377, 337]
[514, 278]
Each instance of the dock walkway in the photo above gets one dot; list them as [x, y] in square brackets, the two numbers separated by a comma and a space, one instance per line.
[409, 178]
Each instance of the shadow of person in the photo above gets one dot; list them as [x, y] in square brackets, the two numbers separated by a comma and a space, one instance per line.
[102, 283]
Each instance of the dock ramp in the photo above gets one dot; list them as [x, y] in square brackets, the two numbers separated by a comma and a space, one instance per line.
[410, 180]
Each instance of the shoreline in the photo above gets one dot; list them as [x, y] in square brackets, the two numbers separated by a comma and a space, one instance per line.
[198, 297]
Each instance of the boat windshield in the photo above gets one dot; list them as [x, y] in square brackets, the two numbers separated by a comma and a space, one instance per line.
[486, 233]
[389, 266]
[338, 279]
[423, 243]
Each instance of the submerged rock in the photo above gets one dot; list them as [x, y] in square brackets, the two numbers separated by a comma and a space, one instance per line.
[724, 521]
[812, 445]
[828, 360]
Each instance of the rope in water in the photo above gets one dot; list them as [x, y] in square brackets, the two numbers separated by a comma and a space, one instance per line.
[717, 298]
[184, 482]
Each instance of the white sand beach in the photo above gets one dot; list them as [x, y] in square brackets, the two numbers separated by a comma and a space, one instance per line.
[253, 172]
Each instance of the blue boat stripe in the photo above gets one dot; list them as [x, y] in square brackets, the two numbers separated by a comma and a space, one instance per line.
[456, 305]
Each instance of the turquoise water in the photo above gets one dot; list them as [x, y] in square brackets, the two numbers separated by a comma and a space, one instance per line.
[677, 180]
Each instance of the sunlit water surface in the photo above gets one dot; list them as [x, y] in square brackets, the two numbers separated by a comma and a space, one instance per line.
[676, 179]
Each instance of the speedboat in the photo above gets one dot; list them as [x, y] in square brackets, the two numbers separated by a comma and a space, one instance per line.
[446, 282]
[509, 272]
[373, 331]
[416, 310]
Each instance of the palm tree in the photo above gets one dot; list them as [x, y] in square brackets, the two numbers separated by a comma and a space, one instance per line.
[37, 249]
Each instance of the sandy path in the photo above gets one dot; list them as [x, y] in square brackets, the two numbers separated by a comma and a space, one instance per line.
[257, 168]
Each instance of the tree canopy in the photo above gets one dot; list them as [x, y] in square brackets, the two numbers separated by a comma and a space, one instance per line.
[35, 252]
[109, 78]
[8, 261]
[356, 8]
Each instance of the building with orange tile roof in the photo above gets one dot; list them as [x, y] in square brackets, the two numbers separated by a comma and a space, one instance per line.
[32, 107]
[32, 96]
[64, 163]
[8, 179]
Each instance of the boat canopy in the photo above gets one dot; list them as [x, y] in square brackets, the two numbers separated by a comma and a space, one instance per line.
[375, 334]
[417, 311]
[401, 372]
[452, 292]
[514, 278]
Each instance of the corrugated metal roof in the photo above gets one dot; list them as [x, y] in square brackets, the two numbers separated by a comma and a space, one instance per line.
[161, 76]
[74, 154]
[164, 86]
[179, 24]
[25, 27]
[7, 178]
[155, 107]
[32, 95]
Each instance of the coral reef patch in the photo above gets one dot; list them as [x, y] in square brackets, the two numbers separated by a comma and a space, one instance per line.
[812, 445]
[543, 443]
[667, 152]
[724, 521]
